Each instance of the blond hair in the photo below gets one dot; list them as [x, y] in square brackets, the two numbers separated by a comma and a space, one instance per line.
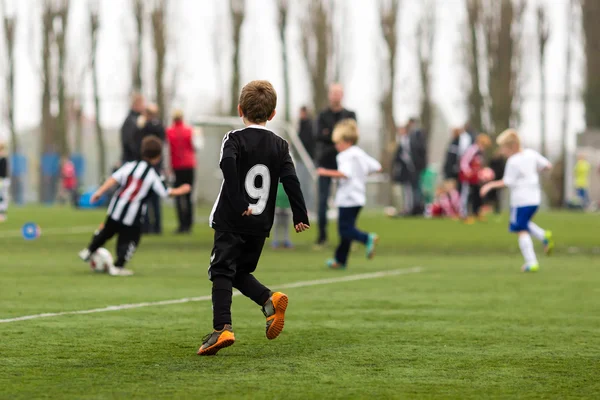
[483, 140]
[509, 138]
[345, 131]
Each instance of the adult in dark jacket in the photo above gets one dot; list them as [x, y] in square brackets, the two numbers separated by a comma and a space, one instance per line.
[306, 131]
[130, 141]
[451, 162]
[326, 152]
[418, 155]
[403, 171]
[150, 125]
[497, 164]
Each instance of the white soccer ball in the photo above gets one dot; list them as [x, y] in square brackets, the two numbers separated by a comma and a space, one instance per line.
[101, 260]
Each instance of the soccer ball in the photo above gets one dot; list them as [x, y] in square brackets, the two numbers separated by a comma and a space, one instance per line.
[486, 175]
[101, 260]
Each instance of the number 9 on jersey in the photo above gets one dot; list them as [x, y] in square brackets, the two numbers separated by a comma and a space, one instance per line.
[261, 194]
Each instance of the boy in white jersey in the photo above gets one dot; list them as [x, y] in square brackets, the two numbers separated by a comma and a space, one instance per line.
[521, 176]
[354, 166]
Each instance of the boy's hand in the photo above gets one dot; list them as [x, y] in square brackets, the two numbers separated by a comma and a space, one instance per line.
[247, 213]
[185, 188]
[321, 171]
[95, 197]
[301, 227]
[484, 190]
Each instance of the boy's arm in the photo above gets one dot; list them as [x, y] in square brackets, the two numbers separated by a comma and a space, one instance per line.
[291, 186]
[330, 173]
[109, 183]
[499, 184]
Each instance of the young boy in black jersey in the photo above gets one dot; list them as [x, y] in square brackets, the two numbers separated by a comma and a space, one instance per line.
[253, 161]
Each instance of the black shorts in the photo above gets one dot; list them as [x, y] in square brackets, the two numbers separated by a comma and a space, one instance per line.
[234, 253]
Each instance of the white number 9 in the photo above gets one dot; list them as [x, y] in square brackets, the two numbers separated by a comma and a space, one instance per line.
[258, 193]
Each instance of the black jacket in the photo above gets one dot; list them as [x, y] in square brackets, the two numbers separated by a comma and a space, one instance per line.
[152, 128]
[497, 164]
[418, 150]
[130, 144]
[451, 164]
[3, 167]
[326, 152]
[307, 136]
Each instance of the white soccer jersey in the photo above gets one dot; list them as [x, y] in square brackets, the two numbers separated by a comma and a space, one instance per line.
[356, 165]
[522, 177]
[136, 180]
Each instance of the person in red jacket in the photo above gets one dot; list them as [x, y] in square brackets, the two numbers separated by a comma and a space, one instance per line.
[471, 162]
[183, 163]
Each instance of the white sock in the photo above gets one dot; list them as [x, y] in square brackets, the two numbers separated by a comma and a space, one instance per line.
[536, 231]
[526, 245]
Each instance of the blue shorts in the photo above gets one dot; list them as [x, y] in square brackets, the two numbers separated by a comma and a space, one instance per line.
[520, 217]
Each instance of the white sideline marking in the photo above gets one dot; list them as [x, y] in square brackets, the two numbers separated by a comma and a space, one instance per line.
[349, 278]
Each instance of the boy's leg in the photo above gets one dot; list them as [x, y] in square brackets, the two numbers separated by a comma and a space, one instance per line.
[348, 233]
[189, 214]
[127, 243]
[536, 231]
[222, 271]
[103, 235]
[520, 218]
[526, 246]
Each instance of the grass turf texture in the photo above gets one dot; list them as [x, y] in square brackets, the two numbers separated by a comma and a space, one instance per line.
[469, 326]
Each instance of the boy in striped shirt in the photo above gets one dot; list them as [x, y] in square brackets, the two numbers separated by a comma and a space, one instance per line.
[137, 180]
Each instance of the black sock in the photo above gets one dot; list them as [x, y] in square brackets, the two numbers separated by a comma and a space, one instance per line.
[221, 298]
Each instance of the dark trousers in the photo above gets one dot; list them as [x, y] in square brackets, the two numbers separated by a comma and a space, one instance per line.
[348, 233]
[127, 241]
[494, 197]
[184, 205]
[152, 220]
[324, 192]
[234, 258]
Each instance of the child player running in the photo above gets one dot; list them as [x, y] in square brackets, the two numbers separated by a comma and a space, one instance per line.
[354, 166]
[521, 176]
[253, 161]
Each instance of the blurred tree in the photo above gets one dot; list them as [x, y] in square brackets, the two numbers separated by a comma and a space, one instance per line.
[493, 62]
[94, 17]
[317, 48]
[543, 34]
[425, 50]
[159, 37]
[138, 15]
[567, 98]
[389, 17]
[282, 22]
[10, 23]
[60, 24]
[590, 12]
[237, 9]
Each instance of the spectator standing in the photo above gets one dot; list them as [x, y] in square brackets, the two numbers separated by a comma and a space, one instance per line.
[327, 153]
[130, 140]
[180, 139]
[582, 180]
[451, 167]
[497, 164]
[4, 182]
[68, 182]
[150, 124]
[404, 173]
[306, 133]
[418, 153]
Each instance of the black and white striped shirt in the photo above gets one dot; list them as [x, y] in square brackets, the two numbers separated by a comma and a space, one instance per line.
[137, 180]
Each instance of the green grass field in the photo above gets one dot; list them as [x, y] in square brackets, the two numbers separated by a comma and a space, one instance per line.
[468, 325]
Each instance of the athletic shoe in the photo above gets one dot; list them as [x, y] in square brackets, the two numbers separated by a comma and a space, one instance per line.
[530, 268]
[548, 243]
[274, 310]
[217, 340]
[85, 255]
[371, 245]
[116, 271]
[333, 264]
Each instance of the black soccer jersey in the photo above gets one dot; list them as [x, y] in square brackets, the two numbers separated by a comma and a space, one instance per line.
[136, 181]
[261, 159]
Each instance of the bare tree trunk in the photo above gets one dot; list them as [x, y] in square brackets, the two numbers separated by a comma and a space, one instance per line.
[138, 13]
[389, 18]
[590, 11]
[47, 126]
[160, 50]
[567, 102]
[316, 47]
[475, 97]
[94, 26]
[9, 39]
[61, 18]
[425, 44]
[283, 9]
[238, 13]
[543, 32]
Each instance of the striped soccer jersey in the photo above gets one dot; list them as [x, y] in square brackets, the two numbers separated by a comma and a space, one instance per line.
[137, 180]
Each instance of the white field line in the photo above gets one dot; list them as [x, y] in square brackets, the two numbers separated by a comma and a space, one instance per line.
[294, 285]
